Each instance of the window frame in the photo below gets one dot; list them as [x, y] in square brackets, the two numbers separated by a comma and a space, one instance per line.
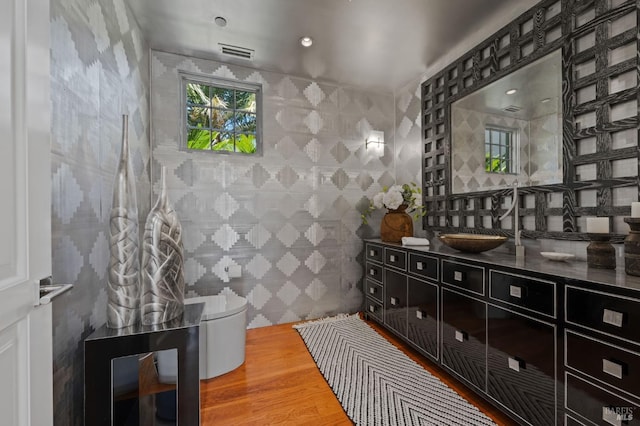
[222, 83]
[513, 148]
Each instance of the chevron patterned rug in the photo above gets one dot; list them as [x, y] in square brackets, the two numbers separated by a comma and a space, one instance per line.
[376, 383]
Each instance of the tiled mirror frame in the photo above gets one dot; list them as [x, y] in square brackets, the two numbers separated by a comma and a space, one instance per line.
[550, 25]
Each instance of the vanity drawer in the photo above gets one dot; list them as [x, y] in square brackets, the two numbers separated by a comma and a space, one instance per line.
[374, 272]
[395, 301]
[533, 294]
[464, 336]
[374, 309]
[521, 365]
[395, 258]
[598, 405]
[424, 266]
[615, 366]
[463, 276]
[423, 316]
[617, 316]
[374, 252]
[373, 290]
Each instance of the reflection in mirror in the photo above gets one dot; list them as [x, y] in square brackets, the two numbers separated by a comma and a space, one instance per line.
[144, 389]
[510, 130]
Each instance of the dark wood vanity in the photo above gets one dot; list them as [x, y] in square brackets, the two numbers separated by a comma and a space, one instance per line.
[546, 342]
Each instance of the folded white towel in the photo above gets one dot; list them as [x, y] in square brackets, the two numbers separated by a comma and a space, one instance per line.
[414, 241]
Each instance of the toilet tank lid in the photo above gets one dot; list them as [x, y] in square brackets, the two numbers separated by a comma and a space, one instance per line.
[219, 306]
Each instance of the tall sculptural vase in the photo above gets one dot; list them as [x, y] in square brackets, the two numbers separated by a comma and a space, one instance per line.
[162, 263]
[123, 287]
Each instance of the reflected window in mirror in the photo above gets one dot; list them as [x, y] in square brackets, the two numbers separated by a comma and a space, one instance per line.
[501, 148]
[532, 154]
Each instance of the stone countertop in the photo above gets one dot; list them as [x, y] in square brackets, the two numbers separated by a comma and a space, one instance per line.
[533, 261]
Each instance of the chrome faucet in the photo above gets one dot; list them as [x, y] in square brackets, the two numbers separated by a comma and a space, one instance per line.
[516, 220]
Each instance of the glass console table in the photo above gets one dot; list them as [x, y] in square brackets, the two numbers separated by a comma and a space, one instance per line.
[120, 365]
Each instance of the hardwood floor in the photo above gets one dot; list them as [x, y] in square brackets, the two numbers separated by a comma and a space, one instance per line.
[279, 384]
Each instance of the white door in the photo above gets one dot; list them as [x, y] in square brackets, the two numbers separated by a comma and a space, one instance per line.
[25, 194]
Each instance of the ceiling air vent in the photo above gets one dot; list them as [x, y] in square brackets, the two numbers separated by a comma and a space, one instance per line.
[237, 51]
[512, 108]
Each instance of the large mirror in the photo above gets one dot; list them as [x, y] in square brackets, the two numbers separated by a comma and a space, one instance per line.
[593, 172]
[510, 130]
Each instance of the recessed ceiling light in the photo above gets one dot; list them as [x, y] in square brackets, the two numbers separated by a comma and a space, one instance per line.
[511, 91]
[220, 21]
[306, 41]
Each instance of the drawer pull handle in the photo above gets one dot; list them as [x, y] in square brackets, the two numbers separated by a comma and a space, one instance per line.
[612, 416]
[372, 272]
[372, 308]
[372, 253]
[419, 266]
[461, 336]
[457, 276]
[372, 290]
[514, 364]
[392, 258]
[515, 291]
[612, 317]
[394, 301]
[420, 314]
[612, 368]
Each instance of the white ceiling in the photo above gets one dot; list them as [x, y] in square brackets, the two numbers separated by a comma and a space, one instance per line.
[376, 44]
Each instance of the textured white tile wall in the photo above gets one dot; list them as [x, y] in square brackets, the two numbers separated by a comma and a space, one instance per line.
[290, 218]
[408, 139]
[99, 70]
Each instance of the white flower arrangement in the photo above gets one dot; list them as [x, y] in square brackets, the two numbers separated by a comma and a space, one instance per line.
[395, 196]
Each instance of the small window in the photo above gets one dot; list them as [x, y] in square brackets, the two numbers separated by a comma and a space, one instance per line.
[221, 116]
[501, 152]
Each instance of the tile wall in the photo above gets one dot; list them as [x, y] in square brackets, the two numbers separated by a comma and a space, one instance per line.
[99, 70]
[408, 139]
[290, 218]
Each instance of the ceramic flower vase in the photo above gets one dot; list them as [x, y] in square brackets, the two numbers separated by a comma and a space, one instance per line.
[162, 263]
[395, 225]
[123, 281]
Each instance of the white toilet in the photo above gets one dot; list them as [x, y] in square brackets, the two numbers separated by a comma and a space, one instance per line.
[223, 332]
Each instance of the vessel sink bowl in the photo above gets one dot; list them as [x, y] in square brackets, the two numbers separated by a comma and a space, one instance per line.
[472, 243]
